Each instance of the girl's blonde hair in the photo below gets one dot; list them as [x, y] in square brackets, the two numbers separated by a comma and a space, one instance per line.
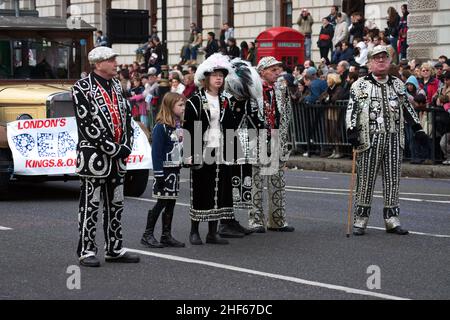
[165, 114]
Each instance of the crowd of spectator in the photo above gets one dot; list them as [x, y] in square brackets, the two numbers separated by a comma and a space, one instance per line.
[344, 45]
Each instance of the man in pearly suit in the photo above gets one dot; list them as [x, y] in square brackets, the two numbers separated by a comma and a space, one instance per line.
[105, 140]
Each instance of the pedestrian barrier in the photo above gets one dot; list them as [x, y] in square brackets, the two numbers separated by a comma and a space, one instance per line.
[317, 126]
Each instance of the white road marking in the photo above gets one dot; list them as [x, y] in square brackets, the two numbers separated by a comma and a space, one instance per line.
[5, 228]
[418, 233]
[379, 192]
[153, 200]
[317, 178]
[270, 275]
[317, 190]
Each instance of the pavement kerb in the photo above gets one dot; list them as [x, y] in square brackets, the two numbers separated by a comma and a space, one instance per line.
[345, 166]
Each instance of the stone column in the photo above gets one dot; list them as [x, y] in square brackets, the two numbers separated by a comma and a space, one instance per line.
[178, 22]
[212, 17]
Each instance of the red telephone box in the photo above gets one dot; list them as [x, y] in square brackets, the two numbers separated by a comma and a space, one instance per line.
[285, 44]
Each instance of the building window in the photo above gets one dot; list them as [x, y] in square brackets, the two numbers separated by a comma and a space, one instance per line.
[350, 7]
[153, 12]
[286, 13]
[199, 14]
[230, 13]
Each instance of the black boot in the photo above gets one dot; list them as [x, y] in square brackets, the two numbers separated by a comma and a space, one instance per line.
[194, 237]
[228, 229]
[241, 228]
[212, 236]
[166, 237]
[148, 239]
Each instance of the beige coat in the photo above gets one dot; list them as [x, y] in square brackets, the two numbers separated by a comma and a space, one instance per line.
[341, 32]
[305, 25]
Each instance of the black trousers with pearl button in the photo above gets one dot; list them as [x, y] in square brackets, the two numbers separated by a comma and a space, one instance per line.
[110, 190]
[385, 154]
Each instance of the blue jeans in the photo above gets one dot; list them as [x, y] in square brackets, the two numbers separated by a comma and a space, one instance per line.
[194, 51]
[186, 53]
[308, 43]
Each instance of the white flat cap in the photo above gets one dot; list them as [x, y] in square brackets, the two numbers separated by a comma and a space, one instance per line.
[100, 54]
[377, 50]
[267, 62]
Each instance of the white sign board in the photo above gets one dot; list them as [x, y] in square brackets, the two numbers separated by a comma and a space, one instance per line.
[48, 147]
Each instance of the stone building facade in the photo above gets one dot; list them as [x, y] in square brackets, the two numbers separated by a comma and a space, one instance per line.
[429, 21]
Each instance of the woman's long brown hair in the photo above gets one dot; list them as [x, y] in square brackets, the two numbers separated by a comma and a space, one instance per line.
[165, 114]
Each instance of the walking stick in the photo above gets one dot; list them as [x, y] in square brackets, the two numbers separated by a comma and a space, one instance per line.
[350, 196]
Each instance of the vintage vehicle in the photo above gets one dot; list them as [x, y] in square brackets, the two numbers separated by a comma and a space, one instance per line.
[40, 59]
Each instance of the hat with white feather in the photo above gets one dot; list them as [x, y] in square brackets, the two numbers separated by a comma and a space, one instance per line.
[216, 62]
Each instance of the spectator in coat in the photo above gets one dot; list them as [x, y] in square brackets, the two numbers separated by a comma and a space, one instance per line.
[403, 33]
[232, 49]
[333, 115]
[305, 23]
[101, 40]
[429, 82]
[357, 27]
[251, 56]
[361, 59]
[393, 24]
[325, 42]
[190, 85]
[341, 31]
[315, 85]
[347, 53]
[212, 46]
[332, 17]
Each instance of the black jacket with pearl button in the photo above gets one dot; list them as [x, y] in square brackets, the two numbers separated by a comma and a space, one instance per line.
[97, 152]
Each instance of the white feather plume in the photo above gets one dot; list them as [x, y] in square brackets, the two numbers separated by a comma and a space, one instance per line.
[214, 62]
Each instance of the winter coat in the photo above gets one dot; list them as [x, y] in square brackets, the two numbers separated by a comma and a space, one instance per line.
[305, 25]
[326, 37]
[341, 32]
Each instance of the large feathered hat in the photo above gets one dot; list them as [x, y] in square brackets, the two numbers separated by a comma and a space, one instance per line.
[244, 82]
[215, 62]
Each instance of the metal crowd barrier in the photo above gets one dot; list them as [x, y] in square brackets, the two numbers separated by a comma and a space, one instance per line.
[317, 125]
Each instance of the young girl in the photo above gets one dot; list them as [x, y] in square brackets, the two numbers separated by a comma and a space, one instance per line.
[167, 160]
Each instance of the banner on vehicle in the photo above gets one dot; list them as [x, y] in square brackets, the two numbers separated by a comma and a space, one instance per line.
[48, 147]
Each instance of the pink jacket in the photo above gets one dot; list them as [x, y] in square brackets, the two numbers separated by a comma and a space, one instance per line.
[139, 99]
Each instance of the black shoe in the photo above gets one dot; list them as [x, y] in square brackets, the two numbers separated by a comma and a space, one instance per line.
[125, 258]
[283, 229]
[228, 230]
[169, 241]
[259, 229]
[240, 228]
[90, 261]
[359, 231]
[215, 239]
[151, 242]
[194, 238]
[398, 230]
